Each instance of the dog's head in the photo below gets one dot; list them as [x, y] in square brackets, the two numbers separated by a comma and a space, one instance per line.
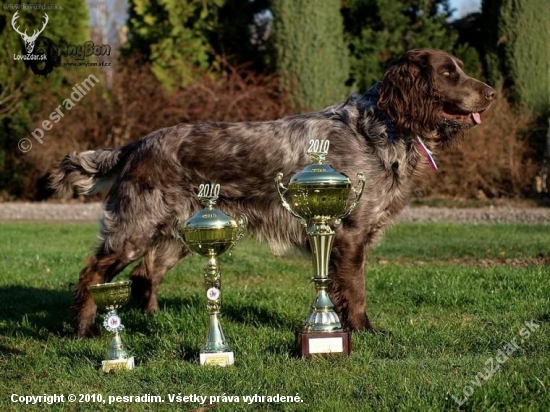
[426, 90]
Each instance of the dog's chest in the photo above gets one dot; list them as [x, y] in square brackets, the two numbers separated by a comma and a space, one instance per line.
[390, 178]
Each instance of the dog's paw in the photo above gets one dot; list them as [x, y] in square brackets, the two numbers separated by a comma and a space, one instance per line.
[88, 332]
[376, 331]
[371, 330]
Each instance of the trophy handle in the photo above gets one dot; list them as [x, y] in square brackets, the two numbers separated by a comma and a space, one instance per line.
[242, 223]
[280, 186]
[355, 202]
[175, 228]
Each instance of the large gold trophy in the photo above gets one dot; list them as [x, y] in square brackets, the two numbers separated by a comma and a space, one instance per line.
[318, 195]
[110, 297]
[210, 232]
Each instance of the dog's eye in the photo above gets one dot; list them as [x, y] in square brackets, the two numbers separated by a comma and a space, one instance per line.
[446, 73]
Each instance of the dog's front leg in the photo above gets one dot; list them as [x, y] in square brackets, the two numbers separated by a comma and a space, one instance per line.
[347, 286]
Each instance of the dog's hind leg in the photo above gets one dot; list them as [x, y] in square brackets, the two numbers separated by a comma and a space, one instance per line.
[147, 275]
[123, 241]
[101, 268]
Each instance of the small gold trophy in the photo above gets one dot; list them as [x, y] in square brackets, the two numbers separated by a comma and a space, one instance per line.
[210, 232]
[112, 296]
[318, 195]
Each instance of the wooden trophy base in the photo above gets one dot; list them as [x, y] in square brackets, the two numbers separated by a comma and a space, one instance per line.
[217, 359]
[320, 344]
[118, 365]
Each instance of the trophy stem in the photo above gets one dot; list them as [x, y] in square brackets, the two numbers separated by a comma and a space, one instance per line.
[212, 282]
[117, 350]
[215, 339]
[322, 317]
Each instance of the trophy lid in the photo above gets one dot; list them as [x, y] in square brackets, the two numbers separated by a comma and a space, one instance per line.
[319, 175]
[209, 219]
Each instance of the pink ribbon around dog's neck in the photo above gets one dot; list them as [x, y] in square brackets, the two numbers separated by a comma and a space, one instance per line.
[427, 152]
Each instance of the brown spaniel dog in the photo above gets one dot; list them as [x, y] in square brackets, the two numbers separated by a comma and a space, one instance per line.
[423, 101]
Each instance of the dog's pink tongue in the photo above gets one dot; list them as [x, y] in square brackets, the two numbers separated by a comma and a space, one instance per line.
[477, 118]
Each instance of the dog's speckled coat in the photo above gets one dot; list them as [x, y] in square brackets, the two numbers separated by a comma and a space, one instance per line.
[425, 93]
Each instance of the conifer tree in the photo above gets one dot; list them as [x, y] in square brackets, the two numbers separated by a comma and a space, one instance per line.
[174, 36]
[517, 34]
[378, 31]
[310, 53]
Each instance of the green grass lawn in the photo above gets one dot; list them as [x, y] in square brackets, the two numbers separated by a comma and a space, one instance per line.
[451, 299]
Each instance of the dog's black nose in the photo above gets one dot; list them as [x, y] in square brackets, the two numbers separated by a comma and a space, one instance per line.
[490, 93]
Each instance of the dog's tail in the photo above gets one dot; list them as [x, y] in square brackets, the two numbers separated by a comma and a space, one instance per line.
[86, 172]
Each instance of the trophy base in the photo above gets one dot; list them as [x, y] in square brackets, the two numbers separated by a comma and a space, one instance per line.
[320, 344]
[118, 365]
[217, 359]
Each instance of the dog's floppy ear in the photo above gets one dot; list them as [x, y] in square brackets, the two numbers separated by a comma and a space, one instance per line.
[408, 96]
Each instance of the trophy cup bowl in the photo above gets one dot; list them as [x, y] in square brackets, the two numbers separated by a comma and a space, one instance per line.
[110, 297]
[319, 195]
[210, 233]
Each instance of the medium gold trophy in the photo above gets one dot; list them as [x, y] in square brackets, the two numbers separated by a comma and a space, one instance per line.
[210, 233]
[112, 296]
[318, 196]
